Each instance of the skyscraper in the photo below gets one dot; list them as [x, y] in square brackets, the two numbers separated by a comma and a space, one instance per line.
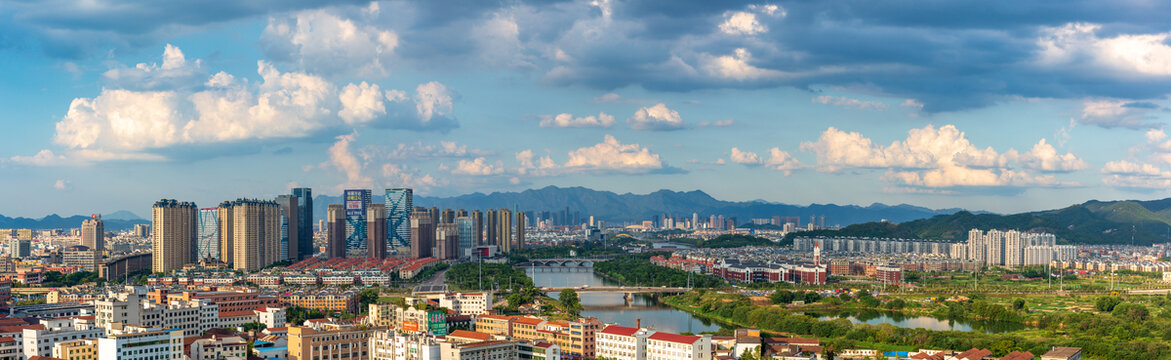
[399, 205]
[304, 223]
[521, 222]
[467, 234]
[447, 216]
[492, 227]
[504, 233]
[356, 202]
[376, 231]
[446, 241]
[226, 232]
[478, 227]
[422, 234]
[174, 236]
[335, 233]
[257, 234]
[209, 234]
[290, 218]
[436, 219]
[93, 233]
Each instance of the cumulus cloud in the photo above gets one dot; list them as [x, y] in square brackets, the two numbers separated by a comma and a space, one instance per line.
[657, 117]
[566, 120]
[478, 166]
[62, 185]
[939, 158]
[741, 23]
[1139, 176]
[344, 161]
[1079, 44]
[783, 161]
[321, 42]
[737, 67]
[1118, 113]
[175, 71]
[530, 164]
[848, 102]
[612, 156]
[361, 103]
[745, 157]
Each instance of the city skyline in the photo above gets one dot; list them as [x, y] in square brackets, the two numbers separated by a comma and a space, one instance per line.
[1024, 107]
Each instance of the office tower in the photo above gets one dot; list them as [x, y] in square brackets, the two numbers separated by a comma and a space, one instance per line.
[335, 234]
[467, 234]
[226, 232]
[694, 221]
[446, 241]
[521, 222]
[478, 226]
[356, 202]
[256, 237]
[399, 205]
[422, 234]
[447, 216]
[492, 228]
[376, 231]
[209, 234]
[93, 233]
[304, 223]
[821, 221]
[290, 222]
[18, 248]
[504, 234]
[174, 237]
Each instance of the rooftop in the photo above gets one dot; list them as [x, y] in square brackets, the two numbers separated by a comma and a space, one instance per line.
[676, 338]
[619, 330]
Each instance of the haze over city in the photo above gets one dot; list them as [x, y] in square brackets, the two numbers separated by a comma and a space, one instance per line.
[1015, 107]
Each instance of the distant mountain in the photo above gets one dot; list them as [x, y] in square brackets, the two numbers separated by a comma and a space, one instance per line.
[121, 215]
[57, 222]
[613, 207]
[1092, 222]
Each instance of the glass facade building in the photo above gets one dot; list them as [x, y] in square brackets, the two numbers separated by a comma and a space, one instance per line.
[208, 239]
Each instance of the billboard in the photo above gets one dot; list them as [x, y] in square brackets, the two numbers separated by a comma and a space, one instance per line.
[355, 206]
[437, 323]
[410, 326]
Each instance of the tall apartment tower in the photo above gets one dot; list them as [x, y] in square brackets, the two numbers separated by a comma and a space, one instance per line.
[256, 236]
[504, 233]
[290, 227]
[478, 227]
[93, 233]
[521, 222]
[446, 241]
[447, 216]
[174, 236]
[356, 202]
[376, 231]
[226, 232]
[491, 228]
[304, 223]
[1014, 248]
[209, 234]
[994, 239]
[422, 234]
[399, 205]
[977, 248]
[335, 234]
[435, 216]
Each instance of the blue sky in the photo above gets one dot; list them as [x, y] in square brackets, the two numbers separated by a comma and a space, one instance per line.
[110, 105]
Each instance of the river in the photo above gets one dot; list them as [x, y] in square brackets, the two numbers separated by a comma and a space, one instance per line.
[612, 308]
[922, 322]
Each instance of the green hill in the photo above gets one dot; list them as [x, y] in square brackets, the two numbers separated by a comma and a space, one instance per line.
[1094, 222]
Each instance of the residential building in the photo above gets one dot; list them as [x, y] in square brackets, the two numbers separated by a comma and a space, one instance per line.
[326, 299]
[376, 231]
[889, 274]
[39, 342]
[394, 345]
[422, 234]
[271, 317]
[668, 346]
[215, 348]
[328, 340]
[18, 248]
[81, 256]
[174, 234]
[93, 233]
[399, 205]
[521, 222]
[142, 345]
[622, 343]
[467, 303]
[84, 349]
[498, 325]
[504, 233]
[446, 241]
[494, 349]
[304, 223]
[335, 235]
[1063, 353]
[10, 349]
[256, 232]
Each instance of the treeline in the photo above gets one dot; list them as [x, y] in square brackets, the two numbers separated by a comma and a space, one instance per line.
[729, 241]
[1112, 336]
[637, 270]
[470, 276]
[585, 249]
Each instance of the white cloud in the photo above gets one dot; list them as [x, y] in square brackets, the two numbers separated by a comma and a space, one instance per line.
[565, 120]
[529, 164]
[741, 23]
[323, 43]
[614, 98]
[402, 176]
[175, 71]
[611, 155]
[1126, 54]
[1123, 167]
[769, 9]
[912, 103]
[361, 103]
[939, 157]
[1117, 113]
[848, 102]
[432, 101]
[62, 185]
[445, 149]
[1130, 175]
[745, 157]
[342, 159]
[478, 166]
[42, 158]
[657, 117]
[498, 39]
[782, 160]
[717, 123]
[737, 67]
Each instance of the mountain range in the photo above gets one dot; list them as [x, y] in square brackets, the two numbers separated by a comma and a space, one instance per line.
[1093, 222]
[613, 207]
[121, 221]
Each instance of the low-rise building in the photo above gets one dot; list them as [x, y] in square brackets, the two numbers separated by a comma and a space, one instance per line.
[328, 340]
[214, 348]
[86, 349]
[622, 343]
[668, 346]
[1063, 353]
[39, 342]
[326, 299]
[395, 345]
[142, 345]
[494, 349]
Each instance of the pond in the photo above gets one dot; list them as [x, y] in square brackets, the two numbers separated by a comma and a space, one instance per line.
[921, 322]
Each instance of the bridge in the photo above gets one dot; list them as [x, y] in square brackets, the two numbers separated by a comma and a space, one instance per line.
[565, 262]
[627, 291]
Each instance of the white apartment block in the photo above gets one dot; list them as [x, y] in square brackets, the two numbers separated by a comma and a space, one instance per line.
[272, 317]
[994, 240]
[193, 317]
[498, 349]
[40, 342]
[621, 343]
[668, 346]
[219, 348]
[146, 345]
[393, 345]
[1064, 252]
[467, 304]
[1014, 248]
[1038, 255]
[1010, 248]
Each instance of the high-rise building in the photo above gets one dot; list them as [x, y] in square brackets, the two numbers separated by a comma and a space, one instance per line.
[467, 234]
[227, 232]
[447, 216]
[335, 233]
[93, 233]
[492, 228]
[356, 202]
[18, 248]
[304, 223]
[1014, 249]
[256, 235]
[994, 240]
[422, 234]
[209, 234]
[399, 205]
[521, 223]
[290, 223]
[435, 217]
[174, 237]
[478, 226]
[446, 241]
[376, 231]
[504, 234]
[461, 212]
[141, 230]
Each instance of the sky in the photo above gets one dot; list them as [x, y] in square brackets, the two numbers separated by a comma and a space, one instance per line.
[1003, 106]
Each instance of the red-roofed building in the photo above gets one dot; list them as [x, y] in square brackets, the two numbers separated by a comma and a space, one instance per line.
[668, 346]
[973, 354]
[621, 343]
[464, 337]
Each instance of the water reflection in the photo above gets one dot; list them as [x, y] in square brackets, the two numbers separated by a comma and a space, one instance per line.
[922, 322]
[614, 307]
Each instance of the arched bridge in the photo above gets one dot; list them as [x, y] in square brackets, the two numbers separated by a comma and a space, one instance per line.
[569, 262]
[627, 291]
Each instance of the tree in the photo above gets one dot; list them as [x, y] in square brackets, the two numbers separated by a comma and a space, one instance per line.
[1019, 305]
[781, 297]
[570, 302]
[749, 354]
[1106, 303]
[1131, 312]
[812, 297]
[257, 326]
